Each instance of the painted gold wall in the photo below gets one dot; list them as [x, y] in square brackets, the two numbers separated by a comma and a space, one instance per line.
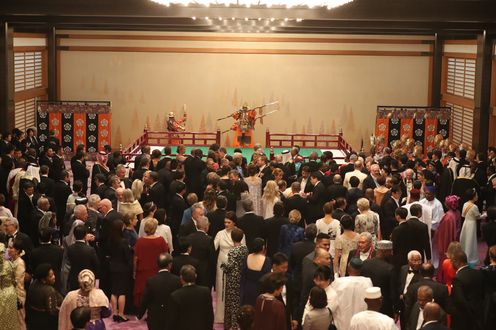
[317, 93]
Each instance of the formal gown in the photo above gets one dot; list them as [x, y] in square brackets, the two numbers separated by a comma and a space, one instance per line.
[368, 222]
[446, 232]
[255, 189]
[346, 245]
[249, 281]
[147, 251]
[232, 270]
[270, 313]
[42, 306]
[268, 207]
[96, 300]
[468, 235]
[224, 243]
[20, 271]
[8, 297]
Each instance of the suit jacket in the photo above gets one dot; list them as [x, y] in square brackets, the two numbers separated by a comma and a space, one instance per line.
[47, 253]
[101, 190]
[435, 326]
[368, 182]
[316, 202]
[57, 166]
[61, 192]
[104, 228]
[190, 308]
[296, 202]
[419, 239]
[440, 293]
[175, 214]
[401, 237]
[231, 200]
[187, 229]
[181, 260]
[202, 248]
[388, 218]
[356, 254]
[81, 173]
[335, 191]
[401, 280]
[25, 213]
[271, 230]
[467, 296]
[252, 226]
[157, 195]
[382, 275]
[155, 298]
[413, 318]
[81, 256]
[193, 166]
[47, 185]
[298, 251]
[216, 219]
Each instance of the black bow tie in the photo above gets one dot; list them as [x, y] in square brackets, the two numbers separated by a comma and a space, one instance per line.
[10, 236]
[412, 271]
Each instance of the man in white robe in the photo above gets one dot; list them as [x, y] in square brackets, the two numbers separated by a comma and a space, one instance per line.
[435, 205]
[350, 292]
[371, 319]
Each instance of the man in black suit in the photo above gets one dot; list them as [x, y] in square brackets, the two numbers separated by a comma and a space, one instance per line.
[145, 150]
[336, 189]
[272, 227]
[190, 307]
[467, 295]
[250, 223]
[264, 170]
[296, 202]
[440, 291]
[12, 232]
[202, 248]
[339, 208]
[298, 252]
[388, 207]
[316, 199]
[191, 226]
[184, 257]
[144, 165]
[408, 274]
[193, 167]
[371, 180]
[58, 164]
[47, 159]
[280, 265]
[157, 292]
[401, 238]
[216, 217]
[365, 248]
[432, 315]
[304, 180]
[80, 256]
[101, 187]
[222, 190]
[47, 184]
[49, 253]
[109, 215]
[155, 191]
[419, 231]
[6, 165]
[424, 295]
[312, 163]
[28, 199]
[61, 192]
[42, 206]
[121, 172]
[381, 272]
[79, 171]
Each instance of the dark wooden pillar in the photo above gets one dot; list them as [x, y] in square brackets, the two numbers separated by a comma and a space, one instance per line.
[52, 64]
[437, 65]
[482, 91]
[7, 106]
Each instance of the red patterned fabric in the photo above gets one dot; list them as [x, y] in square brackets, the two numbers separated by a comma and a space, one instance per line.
[382, 128]
[430, 133]
[406, 127]
[55, 123]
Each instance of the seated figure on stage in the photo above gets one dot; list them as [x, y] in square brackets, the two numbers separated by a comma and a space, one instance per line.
[175, 125]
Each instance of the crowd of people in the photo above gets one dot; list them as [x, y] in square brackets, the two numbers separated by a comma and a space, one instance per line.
[265, 242]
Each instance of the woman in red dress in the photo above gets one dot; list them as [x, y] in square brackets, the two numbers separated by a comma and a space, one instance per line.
[146, 251]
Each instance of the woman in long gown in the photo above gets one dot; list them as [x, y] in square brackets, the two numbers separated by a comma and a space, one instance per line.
[367, 220]
[232, 273]
[86, 296]
[448, 228]
[468, 235]
[255, 266]
[345, 242]
[254, 183]
[146, 251]
[15, 251]
[223, 243]
[8, 295]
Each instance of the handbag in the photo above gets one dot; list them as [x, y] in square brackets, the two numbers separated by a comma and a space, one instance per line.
[331, 325]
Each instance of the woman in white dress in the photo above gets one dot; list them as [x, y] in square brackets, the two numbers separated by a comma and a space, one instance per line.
[330, 226]
[468, 235]
[254, 183]
[269, 198]
[224, 243]
[162, 229]
[15, 251]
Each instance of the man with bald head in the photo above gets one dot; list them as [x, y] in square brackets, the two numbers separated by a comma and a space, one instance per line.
[202, 248]
[432, 315]
[336, 188]
[416, 317]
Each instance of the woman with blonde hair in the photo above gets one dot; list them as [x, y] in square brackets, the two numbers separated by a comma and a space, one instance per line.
[146, 252]
[271, 195]
[137, 188]
[367, 220]
[291, 232]
[447, 272]
[130, 205]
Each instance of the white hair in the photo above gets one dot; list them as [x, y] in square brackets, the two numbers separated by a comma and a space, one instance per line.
[14, 221]
[367, 235]
[93, 200]
[414, 253]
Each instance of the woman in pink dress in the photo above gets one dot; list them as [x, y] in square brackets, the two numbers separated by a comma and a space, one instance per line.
[449, 227]
[146, 251]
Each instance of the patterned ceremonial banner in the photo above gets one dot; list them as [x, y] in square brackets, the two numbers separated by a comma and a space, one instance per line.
[420, 123]
[75, 123]
[430, 133]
